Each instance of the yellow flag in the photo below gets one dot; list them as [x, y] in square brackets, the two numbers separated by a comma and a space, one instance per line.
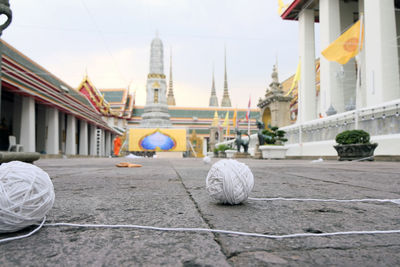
[234, 119]
[295, 79]
[226, 123]
[281, 7]
[346, 46]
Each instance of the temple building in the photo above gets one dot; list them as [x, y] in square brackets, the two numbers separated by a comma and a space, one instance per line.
[162, 119]
[120, 101]
[337, 105]
[200, 119]
[48, 116]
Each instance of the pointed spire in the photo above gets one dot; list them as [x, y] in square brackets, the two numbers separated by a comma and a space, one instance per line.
[213, 98]
[275, 85]
[226, 101]
[215, 122]
[171, 98]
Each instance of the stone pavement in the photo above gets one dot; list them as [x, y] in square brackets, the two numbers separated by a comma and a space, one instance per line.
[171, 193]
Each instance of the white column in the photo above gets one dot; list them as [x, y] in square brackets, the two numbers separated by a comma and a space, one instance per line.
[93, 140]
[83, 138]
[349, 77]
[70, 147]
[28, 134]
[41, 128]
[331, 91]
[52, 141]
[307, 94]
[17, 108]
[362, 102]
[381, 52]
[103, 143]
[108, 143]
[63, 133]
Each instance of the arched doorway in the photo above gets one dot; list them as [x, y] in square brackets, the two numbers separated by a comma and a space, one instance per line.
[266, 117]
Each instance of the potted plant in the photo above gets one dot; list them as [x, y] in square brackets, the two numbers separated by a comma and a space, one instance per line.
[273, 143]
[354, 145]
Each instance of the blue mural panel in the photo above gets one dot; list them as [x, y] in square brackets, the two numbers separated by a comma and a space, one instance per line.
[157, 140]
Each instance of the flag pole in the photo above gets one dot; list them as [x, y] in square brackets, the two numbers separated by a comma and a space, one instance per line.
[248, 117]
[359, 65]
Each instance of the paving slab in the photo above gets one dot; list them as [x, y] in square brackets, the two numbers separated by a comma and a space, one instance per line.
[171, 193]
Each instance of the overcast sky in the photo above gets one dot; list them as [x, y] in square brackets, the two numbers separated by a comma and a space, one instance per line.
[111, 40]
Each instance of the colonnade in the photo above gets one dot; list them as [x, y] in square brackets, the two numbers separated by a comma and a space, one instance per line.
[49, 130]
[378, 60]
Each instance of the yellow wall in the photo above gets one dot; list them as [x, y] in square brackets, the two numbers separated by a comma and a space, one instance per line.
[267, 117]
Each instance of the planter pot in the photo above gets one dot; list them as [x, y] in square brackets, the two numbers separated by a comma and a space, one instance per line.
[230, 153]
[221, 154]
[356, 151]
[210, 154]
[273, 152]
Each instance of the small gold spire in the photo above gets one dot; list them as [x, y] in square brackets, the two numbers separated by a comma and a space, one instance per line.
[215, 122]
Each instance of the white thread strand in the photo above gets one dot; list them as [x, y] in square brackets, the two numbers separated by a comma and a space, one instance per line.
[154, 228]
[183, 229]
[24, 236]
[396, 201]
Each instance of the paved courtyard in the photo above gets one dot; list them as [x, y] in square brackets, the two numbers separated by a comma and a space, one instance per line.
[171, 193]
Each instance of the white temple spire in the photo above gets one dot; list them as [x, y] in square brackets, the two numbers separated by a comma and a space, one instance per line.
[170, 97]
[226, 101]
[213, 98]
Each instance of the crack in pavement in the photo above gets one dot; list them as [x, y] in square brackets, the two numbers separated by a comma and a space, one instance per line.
[205, 220]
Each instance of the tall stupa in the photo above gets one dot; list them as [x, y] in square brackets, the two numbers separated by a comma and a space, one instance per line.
[155, 112]
[170, 97]
[213, 98]
[226, 101]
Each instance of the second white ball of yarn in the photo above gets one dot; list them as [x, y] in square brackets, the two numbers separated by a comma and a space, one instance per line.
[229, 181]
[26, 195]
[207, 160]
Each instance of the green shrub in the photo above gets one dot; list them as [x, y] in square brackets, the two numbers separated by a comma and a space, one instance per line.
[352, 137]
[274, 136]
[223, 147]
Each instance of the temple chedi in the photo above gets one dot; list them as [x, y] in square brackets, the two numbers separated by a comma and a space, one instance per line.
[226, 101]
[213, 98]
[274, 108]
[171, 97]
[155, 113]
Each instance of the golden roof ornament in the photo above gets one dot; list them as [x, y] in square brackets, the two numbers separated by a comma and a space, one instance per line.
[215, 122]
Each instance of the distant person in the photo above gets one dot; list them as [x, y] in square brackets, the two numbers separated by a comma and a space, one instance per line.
[117, 146]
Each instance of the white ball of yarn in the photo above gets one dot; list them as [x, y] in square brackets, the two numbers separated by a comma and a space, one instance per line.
[26, 195]
[206, 160]
[229, 181]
